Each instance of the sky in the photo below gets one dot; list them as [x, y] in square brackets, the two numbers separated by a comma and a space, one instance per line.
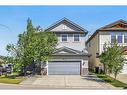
[13, 19]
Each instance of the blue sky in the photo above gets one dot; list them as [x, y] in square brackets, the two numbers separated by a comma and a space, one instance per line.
[13, 18]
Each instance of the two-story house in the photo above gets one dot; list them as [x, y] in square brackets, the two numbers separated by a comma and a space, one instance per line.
[107, 34]
[70, 56]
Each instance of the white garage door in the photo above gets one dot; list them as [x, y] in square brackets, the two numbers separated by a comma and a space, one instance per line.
[64, 68]
[124, 71]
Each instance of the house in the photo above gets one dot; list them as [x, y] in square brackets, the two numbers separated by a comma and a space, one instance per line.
[107, 34]
[70, 56]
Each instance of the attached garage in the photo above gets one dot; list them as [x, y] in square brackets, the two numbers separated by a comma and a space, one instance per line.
[64, 68]
[67, 61]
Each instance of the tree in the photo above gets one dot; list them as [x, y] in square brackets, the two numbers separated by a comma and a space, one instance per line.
[23, 52]
[33, 44]
[14, 57]
[45, 45]
[113, 59]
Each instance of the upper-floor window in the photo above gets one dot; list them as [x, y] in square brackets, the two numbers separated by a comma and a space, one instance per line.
[119, 38]
[76, 37]
[113, 37]
[125, 38]
[64, 37]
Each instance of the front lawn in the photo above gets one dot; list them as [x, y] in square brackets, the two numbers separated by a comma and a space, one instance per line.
[11, 79]
[110, 80]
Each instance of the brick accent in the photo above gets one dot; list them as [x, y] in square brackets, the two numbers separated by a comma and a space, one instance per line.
[44, 71]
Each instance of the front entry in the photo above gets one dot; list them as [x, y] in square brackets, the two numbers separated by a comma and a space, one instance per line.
[63, 68]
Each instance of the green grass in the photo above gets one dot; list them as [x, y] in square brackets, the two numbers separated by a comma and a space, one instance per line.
[11, 79]
[111, 80]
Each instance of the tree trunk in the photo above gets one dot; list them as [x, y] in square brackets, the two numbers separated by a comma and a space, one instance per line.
[105, 69]
[115, 75]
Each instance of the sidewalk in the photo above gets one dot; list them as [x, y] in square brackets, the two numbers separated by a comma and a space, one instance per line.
[122, 78]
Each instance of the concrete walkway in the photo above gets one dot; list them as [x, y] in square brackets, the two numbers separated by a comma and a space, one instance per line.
[70, 81]
[122, 78]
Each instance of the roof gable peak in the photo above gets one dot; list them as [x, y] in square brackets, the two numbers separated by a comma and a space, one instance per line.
[117, 24]
[66, 50]
[67, 21]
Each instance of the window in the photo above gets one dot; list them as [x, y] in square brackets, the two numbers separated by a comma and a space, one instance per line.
[125, 38]
[64, 27]
[76, 37]
[89, 44]
[64, 37]
[119, 38]
[113, 38]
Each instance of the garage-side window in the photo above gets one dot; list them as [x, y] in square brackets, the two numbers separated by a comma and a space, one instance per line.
[64, 37]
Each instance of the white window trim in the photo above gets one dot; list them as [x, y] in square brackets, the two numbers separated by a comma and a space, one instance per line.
[79, 38]
[61, 37]
[123, 38]
[117, 37]
[64, 27]
[111, 37]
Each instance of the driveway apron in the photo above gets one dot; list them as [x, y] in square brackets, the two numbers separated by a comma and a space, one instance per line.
[69, 81]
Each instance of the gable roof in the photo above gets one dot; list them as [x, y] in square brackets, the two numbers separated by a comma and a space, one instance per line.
[69, 22]
[119, 25]
[68, 51]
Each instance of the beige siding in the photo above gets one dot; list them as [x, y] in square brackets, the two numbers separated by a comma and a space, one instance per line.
[104, 38]
[70, 43]
[93, 48]
[61, 26]
[97, 45]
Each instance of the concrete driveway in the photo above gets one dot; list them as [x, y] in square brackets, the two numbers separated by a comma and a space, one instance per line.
[68, 81]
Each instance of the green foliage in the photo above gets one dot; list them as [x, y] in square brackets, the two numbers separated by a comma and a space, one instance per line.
[33, 44]
[113, 58]
[11, 80]
[110, 80]
[45, 45]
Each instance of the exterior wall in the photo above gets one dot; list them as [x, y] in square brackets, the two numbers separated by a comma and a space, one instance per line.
[82, 59]
[93, 48]
[84, 67]
[70, 30]
[70, 43]
[70, 39]
[124, 71]
[104, 37]
[97, 45]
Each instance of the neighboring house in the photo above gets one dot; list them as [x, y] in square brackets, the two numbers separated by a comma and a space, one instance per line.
[107, 34]
[70, 56]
